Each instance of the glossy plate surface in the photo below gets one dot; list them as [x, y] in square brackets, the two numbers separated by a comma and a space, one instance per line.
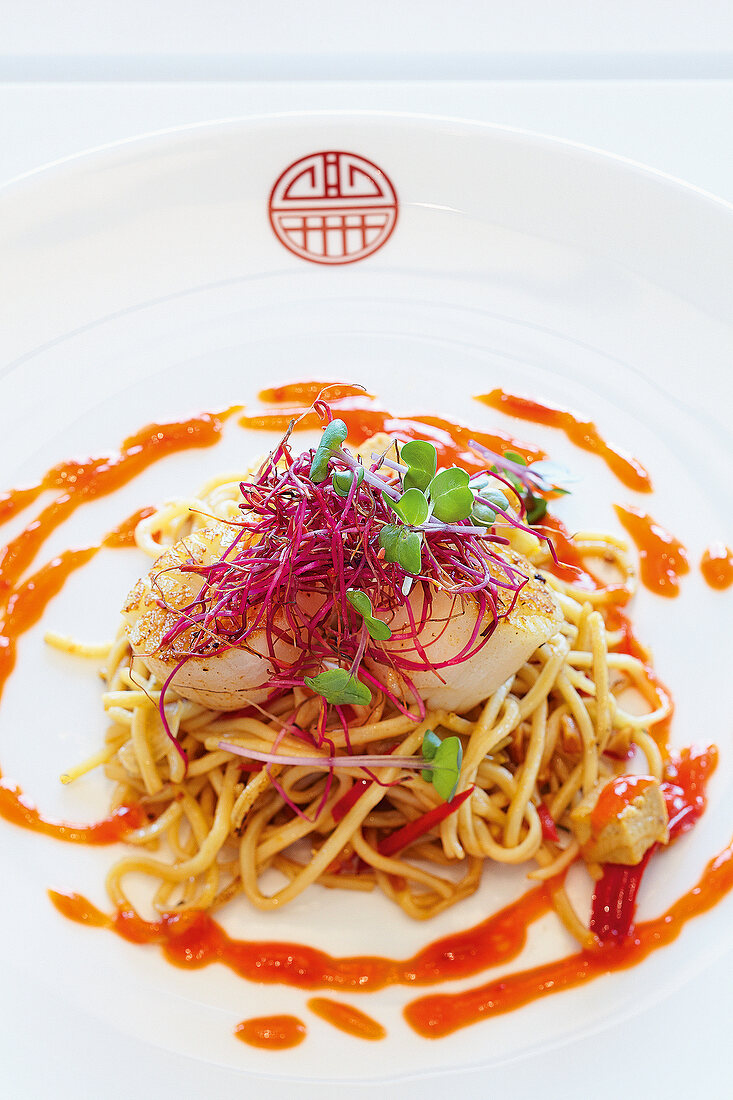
[149, 281]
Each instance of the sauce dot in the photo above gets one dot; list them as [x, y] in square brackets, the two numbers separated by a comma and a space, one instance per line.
[272, 1032]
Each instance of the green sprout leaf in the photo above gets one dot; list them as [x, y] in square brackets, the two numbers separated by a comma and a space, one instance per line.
[388, 538]
[402, 546]
[333, 436]
[338, 687]
[412, 507]
[409, 552]
[430, 745]
[446, 757]
[363, 606]
[450, 495]
[536, 508]
[484, 514]
[422, 461]
[342, 480]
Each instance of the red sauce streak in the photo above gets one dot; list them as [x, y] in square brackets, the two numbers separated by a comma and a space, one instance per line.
[123, 535]
[347, 1018]
[305, 393]
[440, 1014]
[617, 794]
[686, 776]
[26, 602]
[583, 433]
[193, 940]
[89, 479]
[272, 1032]
[717, 566]
[663, 558]
[15, 500]
[23, 602]
[18, 810]
[363, 420]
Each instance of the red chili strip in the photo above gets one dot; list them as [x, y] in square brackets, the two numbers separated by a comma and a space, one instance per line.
[409, 833]
[614, 899]
[549, 829]
[340, 808]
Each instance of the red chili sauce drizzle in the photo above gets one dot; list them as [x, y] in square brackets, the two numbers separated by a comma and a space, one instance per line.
[347, 1018]
[305, 393]
[22, 602]
[583, 433]
[272, 1032]
[123, 535]
[193, 939]
[440, 1014]
[662, 557]
[363, 419]
[717, 566]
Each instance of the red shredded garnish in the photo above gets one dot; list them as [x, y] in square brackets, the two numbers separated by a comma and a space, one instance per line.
[297, 550]
[409, 833]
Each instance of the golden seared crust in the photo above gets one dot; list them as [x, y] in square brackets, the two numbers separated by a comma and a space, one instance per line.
[147, 621]
[535, 599]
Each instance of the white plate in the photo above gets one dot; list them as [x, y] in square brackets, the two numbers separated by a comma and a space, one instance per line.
[143, 282]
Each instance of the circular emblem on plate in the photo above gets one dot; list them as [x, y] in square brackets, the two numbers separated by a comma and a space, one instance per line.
[333, 208]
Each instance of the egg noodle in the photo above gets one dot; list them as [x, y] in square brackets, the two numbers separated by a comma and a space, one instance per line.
[531, 750]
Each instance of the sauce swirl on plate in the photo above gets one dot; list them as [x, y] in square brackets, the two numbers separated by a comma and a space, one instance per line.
[192, 939]
[663, 558]
[583, 433]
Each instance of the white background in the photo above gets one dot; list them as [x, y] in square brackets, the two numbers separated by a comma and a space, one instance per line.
[650, 81]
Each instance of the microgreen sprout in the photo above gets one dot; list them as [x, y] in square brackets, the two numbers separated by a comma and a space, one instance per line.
[334, 434]
[422, 462]
[412, 507]
[450, 495]
[439, 762]
[342, 480]
[553, 476]
[363, 606]
[401, 546]
[527, 481]
[445, 758]
[339, 687]
[536, 507]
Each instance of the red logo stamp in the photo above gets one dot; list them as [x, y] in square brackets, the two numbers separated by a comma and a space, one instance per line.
[333, 208]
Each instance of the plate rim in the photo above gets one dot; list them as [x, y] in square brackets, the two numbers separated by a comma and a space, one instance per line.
[426, 120]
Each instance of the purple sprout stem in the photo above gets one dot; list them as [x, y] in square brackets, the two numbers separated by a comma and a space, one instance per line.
[375, 760]
[370, 478]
